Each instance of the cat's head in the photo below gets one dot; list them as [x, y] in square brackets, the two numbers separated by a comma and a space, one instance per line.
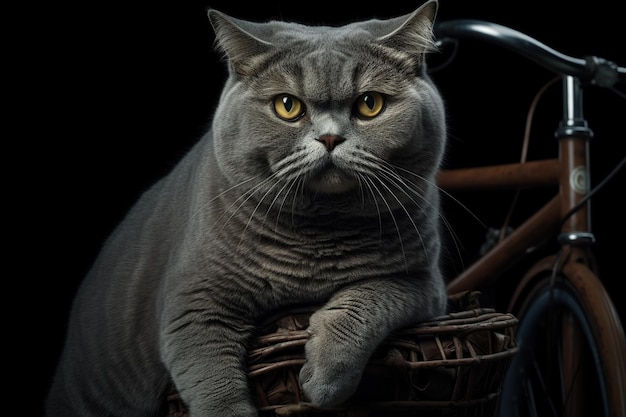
[328, 110]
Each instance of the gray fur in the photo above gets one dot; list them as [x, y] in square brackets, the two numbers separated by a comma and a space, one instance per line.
[260, 216]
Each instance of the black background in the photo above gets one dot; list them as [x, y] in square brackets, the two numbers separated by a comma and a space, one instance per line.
[114, 94]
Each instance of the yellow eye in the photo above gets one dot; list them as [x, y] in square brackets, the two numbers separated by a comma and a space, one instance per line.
[288, 107]
[369, 105]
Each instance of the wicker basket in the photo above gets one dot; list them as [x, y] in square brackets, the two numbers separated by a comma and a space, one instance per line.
[451, 366]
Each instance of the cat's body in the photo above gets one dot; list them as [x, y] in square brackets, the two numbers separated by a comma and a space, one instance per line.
[315, 185]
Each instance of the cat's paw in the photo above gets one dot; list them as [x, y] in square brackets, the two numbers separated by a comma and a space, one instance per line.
[328, 377]
[327, 389]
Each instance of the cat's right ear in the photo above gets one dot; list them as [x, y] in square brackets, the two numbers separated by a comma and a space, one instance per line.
[239, 41]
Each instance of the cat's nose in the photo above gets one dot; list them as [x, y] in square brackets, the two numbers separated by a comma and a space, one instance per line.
[330, 141]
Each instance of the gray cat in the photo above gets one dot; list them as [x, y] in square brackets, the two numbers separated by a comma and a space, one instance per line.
[314, 185]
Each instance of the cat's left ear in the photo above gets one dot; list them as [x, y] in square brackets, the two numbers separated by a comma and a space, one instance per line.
[235, 38]
[412, 34]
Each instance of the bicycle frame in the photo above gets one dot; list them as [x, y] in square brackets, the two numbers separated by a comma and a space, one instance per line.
[570, 171]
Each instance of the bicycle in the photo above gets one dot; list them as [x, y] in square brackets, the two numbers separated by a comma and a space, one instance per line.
[572, 349]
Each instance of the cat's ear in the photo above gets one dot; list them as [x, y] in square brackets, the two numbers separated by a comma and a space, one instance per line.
[239, 40]
[412, 34]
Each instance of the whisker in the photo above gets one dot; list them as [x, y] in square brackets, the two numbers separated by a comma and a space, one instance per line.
[390, 172]
[229, 189]
[297, 180]
[393, 218]
[454, 237]
[363, 180]
[299, 187]
[409, 216]
[287, 173]
[447, 194]
[278, 194]
[244, 198]
[286, 165]
[256, 207]
[291, 183]
[443, 218]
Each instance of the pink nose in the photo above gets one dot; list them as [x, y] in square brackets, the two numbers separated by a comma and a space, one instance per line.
[330, 141]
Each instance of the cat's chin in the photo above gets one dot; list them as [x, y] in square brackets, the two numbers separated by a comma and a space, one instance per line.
[332, 183]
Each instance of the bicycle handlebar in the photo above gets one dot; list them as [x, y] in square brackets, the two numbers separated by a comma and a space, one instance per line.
[596, 70]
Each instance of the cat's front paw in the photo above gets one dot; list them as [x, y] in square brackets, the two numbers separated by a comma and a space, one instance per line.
[328, 377]
[327, 389]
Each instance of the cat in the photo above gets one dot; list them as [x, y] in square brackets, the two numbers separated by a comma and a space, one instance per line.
[315, 184]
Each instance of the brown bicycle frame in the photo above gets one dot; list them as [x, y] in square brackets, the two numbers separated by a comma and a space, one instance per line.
[567, 171]
[570, 173]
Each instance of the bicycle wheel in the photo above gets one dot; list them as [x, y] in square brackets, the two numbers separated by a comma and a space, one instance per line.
[571, 351]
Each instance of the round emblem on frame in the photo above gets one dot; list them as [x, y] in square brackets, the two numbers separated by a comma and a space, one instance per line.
[578, 180]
